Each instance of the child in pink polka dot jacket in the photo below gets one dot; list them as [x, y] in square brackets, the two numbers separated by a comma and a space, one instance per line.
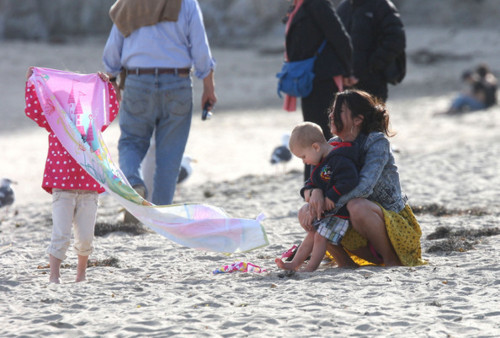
[74, 192]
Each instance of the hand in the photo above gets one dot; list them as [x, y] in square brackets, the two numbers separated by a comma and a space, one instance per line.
[103, 76]
[305, 218]
[29, 72]
[208, 91]
[307, 194]
[329, 204]
[316, 204]
[350, 81]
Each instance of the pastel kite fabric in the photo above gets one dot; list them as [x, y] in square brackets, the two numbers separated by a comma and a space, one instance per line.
[198, 226]
[239, 267]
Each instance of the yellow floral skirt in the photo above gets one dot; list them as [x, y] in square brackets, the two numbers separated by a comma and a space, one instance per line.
[403, 231]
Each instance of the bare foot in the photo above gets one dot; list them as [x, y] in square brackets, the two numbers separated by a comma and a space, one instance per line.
[393, 263]
[55, 280]
[80, 278]
[283, 265]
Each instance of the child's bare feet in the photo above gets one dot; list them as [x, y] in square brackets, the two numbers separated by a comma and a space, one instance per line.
[285, 265]
[80, 278]
[81, 268]
[55, 279]
[55, 265]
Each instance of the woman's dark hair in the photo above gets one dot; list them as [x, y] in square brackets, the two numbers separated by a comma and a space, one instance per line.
[360, 103]
[482, 70]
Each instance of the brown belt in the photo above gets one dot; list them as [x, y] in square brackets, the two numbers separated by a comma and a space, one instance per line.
[139, 71]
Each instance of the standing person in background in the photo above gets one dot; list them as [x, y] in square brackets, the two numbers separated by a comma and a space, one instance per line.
[308, 24]
[378, 39]
[156, 43]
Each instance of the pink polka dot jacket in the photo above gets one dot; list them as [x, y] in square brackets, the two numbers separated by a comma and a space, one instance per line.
[61, 170]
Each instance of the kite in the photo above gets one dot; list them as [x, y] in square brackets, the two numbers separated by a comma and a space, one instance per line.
[198, 226]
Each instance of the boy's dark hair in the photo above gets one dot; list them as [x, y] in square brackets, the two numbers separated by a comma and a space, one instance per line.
[361, 103]
[466, 74]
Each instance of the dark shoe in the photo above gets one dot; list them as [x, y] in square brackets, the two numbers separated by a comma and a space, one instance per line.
[128, 217]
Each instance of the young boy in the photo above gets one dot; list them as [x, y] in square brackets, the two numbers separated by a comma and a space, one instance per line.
[335, 172]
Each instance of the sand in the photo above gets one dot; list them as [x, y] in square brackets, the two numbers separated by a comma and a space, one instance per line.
[145, 285]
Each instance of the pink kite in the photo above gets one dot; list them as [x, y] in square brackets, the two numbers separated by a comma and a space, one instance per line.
[198, 226]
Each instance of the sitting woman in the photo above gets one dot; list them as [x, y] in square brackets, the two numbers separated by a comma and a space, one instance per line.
[384, 229]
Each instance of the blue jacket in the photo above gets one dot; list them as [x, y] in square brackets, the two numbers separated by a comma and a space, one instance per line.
[379, 177]
[315, 22]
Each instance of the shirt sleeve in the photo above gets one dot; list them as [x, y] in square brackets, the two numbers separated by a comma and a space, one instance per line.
[33, 109]
[199, 46]
[308, 185]
[112, 53]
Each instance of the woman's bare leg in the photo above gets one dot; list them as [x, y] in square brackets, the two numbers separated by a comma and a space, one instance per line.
[367, 254]
[368, 219]
[341, 257]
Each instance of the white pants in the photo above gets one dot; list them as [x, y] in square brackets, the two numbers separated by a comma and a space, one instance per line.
[77, 208]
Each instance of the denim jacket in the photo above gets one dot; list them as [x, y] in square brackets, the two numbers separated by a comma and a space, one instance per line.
[379, 177]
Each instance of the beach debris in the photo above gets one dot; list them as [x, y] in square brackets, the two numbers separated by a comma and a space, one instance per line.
[459, 240]
[102, 229]
[111, 262]
[282, 154]
[239, 267]
[439, 210]
[428, 57]
[287, 274]
[7, 196]
[185, 170]
[457, 244]
[447, 232]
[290, 253]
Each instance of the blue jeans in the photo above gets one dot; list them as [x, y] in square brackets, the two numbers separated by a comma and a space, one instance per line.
[466, 103]
[161, 103]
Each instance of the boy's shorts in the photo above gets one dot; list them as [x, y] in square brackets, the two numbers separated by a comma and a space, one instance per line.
[332, 228]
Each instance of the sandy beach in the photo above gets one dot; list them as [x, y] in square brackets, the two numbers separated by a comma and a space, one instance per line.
[141, 284]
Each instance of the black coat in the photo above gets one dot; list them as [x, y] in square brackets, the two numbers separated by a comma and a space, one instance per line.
[314, 22]
[377, 35]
